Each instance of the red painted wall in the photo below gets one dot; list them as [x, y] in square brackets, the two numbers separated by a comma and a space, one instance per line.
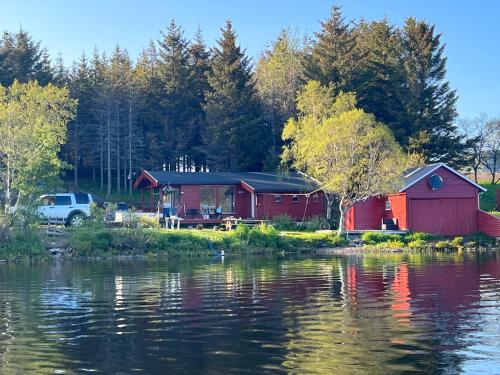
[489, 224]
[190, 198]
[242, 204]
[398, 209]
[366, 215]
[451, 210]
[267, 208]
[453, 187]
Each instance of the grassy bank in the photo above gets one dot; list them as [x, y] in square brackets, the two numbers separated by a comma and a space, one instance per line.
[487, 199]
[421, 241]
[261, 239]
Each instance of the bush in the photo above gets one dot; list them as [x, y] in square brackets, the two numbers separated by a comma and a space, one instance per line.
[87, 241]
[480, 239]
[373, 238]
[338, 241]
[22, 243]
[417, 244]
[391, 244]
[457, 242]
[284, 222]
[314, 223]
[442, 245]
[241, 234]
[265, 236]
[418, 236]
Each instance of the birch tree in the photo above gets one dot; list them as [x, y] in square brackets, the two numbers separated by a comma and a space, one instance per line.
[346, 149]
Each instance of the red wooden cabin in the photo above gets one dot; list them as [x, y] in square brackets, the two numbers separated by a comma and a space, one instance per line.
[207, 197]
[434, 199]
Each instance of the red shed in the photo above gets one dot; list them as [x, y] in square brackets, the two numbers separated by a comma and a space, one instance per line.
[207, 197]
[434, 198]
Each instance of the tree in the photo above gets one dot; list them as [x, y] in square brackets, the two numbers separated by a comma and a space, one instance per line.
[23, 59]
[491, 160]
[427, 97]
[476, 137]
[378, 78]
[236, 138]
[346, 149]
[332, 57]
[33, 123]
[278, 77]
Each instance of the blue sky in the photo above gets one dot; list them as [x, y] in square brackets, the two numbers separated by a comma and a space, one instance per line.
[470, 29]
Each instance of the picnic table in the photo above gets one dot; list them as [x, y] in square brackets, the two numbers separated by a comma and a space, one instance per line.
[230, 222]
[173, 222]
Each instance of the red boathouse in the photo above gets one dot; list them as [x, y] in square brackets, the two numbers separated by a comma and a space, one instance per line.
[207, 197]
[434, 199]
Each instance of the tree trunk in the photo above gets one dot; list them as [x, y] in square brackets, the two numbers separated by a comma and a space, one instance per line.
[108, 192]
[343, 211]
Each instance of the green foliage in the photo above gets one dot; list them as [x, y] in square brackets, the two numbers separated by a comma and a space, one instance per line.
[20, 243]
[391, 244]
[284, 222]
[417, 244]
[457, 242]
[373, 238]
[87, 241]
[487, 200]
[480, 239]
[354, 156]
[33, 121]
[236, 137]
[315, 223]
[442, 244]
[265, 236]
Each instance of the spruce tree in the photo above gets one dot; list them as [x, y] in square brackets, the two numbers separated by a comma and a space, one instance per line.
[174, 74]
[199, 67]
[378, 77]
[23, 59]
[236, 138]
[331, 58]
[429, 101]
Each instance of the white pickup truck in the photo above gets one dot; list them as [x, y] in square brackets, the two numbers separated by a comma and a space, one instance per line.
[70, 209]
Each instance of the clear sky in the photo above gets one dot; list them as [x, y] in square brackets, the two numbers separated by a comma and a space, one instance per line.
[470, 29]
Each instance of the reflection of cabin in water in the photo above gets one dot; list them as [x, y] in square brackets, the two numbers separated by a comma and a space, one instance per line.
[207, 197]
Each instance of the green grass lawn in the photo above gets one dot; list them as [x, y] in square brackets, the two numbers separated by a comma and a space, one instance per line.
[488, 198]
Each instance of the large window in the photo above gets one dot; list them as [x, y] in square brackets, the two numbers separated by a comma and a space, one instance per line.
[216, 200]
[208, 200]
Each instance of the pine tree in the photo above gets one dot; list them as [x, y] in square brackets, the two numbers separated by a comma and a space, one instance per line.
[236, 136]
[199, 67]
[429, 101]
[378, 77]
[23, 59]
[331, 58]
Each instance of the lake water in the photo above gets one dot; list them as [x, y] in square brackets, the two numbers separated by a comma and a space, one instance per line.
[434, 313]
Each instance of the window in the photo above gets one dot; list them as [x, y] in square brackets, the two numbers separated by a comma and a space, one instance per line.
[315, 197]
[48, 200]
[277, 198]
[295, 198]
[208, 200]
[82, 198]
[63, 200]
[388, 205]
[226, 199]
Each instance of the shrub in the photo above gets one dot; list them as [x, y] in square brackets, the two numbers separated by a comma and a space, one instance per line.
[417, 244]
[391, 244]
[338, 241]
[265, 236]
[480, 239]
[442, 245]
[148, 222]
[418, 236]
[85, 241]
[457, 242]
[284, 222]
[241, 233]
[373, 238]
[314, 223]
[22, 243]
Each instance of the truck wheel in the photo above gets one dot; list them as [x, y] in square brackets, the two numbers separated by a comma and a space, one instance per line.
[76, 220]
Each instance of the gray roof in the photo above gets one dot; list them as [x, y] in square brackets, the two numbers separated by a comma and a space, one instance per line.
[262, 182]
[413, 175]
